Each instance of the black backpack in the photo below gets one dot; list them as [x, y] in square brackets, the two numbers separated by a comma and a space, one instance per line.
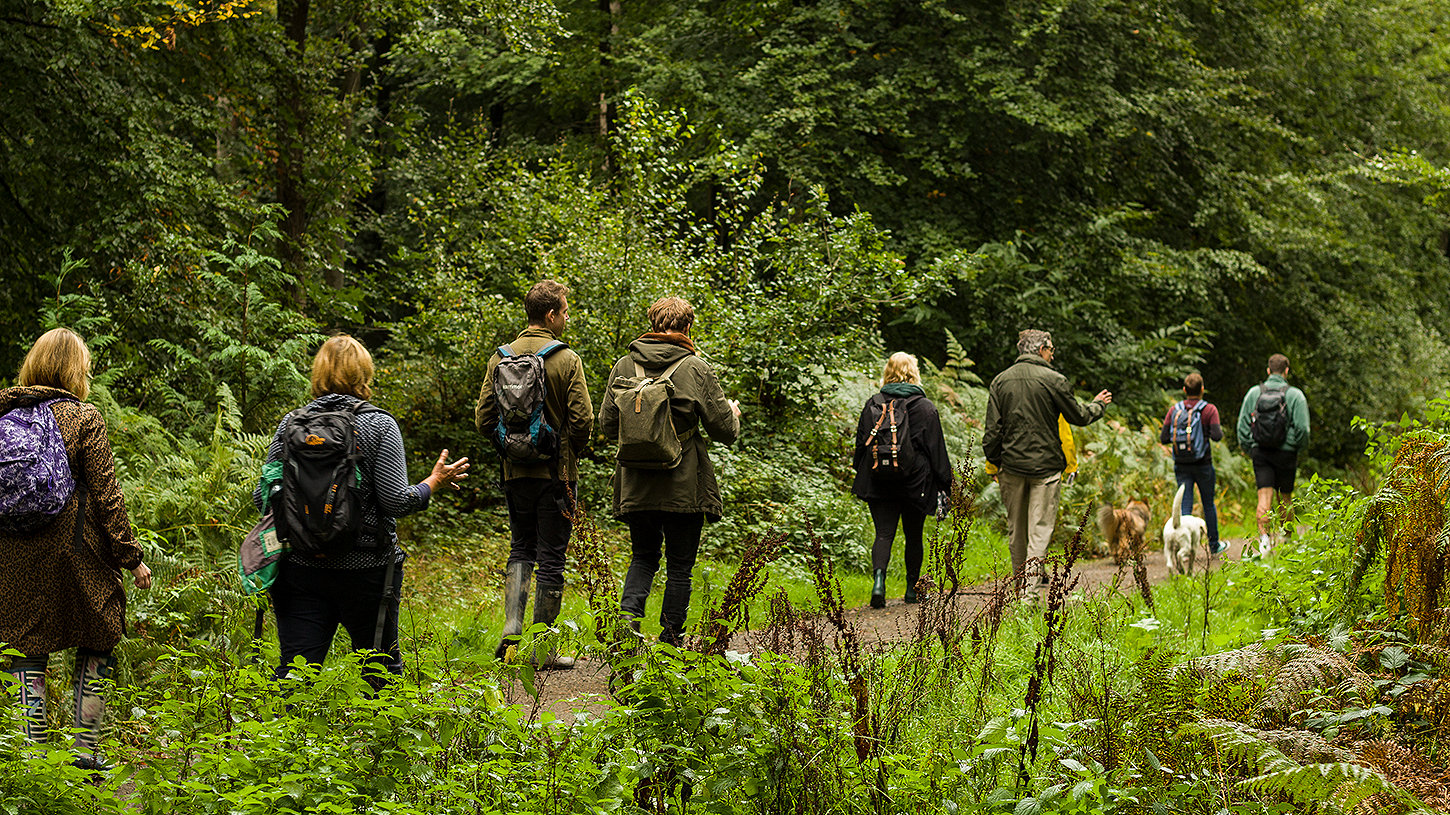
[321, 510]
[523, 434]
[888, 446]
[1190, 442]
[1270, 420]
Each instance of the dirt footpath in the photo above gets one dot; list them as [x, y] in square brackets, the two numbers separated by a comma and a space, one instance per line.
[586, 687]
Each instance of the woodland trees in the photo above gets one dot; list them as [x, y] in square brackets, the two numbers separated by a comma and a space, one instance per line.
[1162, 184]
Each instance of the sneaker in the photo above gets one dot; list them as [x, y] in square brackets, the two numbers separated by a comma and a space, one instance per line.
[1217, 547]
[1266, 545]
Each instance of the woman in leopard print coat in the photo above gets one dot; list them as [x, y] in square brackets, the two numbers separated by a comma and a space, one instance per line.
[62, 584]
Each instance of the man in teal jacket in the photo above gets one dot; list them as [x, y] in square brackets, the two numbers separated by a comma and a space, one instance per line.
[1273, 427]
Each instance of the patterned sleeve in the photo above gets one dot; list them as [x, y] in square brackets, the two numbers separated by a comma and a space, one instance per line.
[395, 494]
[274, 453]
[98, 467]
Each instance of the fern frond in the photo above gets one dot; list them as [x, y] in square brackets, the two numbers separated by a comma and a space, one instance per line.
[1242, 744]
[1341, 782]
[1313, 669]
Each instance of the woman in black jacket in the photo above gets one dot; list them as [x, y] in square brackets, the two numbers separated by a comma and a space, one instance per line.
[901, 468]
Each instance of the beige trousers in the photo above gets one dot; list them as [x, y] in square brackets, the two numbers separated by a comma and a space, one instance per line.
[1031, 505]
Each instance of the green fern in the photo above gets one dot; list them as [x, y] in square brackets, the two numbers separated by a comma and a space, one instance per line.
[1335, 786]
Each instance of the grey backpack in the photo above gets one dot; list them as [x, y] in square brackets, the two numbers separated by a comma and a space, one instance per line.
[523, 434]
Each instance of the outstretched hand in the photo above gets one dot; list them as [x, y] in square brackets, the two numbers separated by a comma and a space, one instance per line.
[1104, 396]
[446, 474]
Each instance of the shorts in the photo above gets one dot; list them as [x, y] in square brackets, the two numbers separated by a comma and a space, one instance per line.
[1274, 469]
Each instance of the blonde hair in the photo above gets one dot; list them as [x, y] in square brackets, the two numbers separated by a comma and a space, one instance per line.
[901, 367]
[342, 365]
[59, 359]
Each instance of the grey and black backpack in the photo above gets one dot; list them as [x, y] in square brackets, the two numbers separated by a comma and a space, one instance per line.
[321, 508]
[523, 434]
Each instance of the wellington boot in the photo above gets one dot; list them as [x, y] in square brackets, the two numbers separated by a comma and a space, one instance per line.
[515, 600]
[911, 588]
[31, 683]
[92, 674]
[878, 590]
[546, 610]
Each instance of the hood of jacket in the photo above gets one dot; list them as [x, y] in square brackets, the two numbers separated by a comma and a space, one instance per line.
[655, 354]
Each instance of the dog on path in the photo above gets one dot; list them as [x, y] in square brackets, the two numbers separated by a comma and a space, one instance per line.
[1120, 527]
[1183, 537]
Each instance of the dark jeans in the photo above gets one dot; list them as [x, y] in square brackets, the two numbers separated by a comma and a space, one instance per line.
[884, 516]
[311, 603]
[539, 510]
[1201, 475]
[679, 533]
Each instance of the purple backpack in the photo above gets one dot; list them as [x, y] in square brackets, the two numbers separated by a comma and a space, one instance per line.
[35, 477]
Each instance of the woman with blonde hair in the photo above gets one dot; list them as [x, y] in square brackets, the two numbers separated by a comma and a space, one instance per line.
[356, 582]
[65, 536]
[902, 469]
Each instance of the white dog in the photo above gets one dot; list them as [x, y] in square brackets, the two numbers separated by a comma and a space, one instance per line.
[1183, 536]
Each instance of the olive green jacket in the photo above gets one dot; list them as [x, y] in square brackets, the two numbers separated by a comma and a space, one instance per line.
[1023, 405]
[566, 405]
[699, 404]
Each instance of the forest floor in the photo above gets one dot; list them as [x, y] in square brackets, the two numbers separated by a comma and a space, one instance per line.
[585, 688]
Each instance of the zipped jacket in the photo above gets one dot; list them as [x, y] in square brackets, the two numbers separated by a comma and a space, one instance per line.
[1023, 406]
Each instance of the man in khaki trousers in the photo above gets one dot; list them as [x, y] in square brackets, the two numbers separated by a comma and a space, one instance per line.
[1022, 442]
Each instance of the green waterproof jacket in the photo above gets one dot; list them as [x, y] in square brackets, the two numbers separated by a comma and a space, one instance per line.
[1023, 404]
[1297, 437]
[567, 406]
[699, 404]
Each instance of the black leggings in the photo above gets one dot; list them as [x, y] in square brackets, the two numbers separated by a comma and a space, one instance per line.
[884, 515]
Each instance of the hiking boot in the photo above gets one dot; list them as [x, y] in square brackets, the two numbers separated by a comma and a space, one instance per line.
[515, 599]
[878, 589]
[546, 610]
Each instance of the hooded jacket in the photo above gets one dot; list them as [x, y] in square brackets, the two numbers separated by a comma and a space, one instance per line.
[934, 470]
[698, 404]
[62, 585]
[1023, 405]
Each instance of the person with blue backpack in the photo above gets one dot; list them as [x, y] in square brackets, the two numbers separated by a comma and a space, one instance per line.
[65, 535]
[1189, 427]
[535, 409]
[1273, 427]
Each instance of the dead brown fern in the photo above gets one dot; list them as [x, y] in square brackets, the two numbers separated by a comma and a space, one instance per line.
[1311, 671]
[1408, 521]
[732, 614]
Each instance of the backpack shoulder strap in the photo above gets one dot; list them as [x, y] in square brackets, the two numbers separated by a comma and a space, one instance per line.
[553, 346]
[671, 370]
[506, 351]
[1198, 408]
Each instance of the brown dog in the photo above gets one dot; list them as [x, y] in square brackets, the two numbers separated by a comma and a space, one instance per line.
[1121, 527]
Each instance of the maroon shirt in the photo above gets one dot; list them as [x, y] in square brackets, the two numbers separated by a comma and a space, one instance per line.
[1209, 419]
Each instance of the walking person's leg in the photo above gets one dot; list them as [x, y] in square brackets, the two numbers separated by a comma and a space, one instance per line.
[523, 498]
[884, 517]
[646, 536]
[682, 547]
[306, 617]
[92, 671]
[29, 674]
[555, 525]
[912, 524]
[369, 613]
[1206, 479]
[1014, 501]
[1041, 519]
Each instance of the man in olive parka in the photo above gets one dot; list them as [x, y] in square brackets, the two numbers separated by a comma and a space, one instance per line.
[1021, 440]
[669, 507]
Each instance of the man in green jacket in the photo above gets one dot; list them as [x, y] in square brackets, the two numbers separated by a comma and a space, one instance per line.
[1273, 427]
[540, 495]
[669, 507]
[1021, 441]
